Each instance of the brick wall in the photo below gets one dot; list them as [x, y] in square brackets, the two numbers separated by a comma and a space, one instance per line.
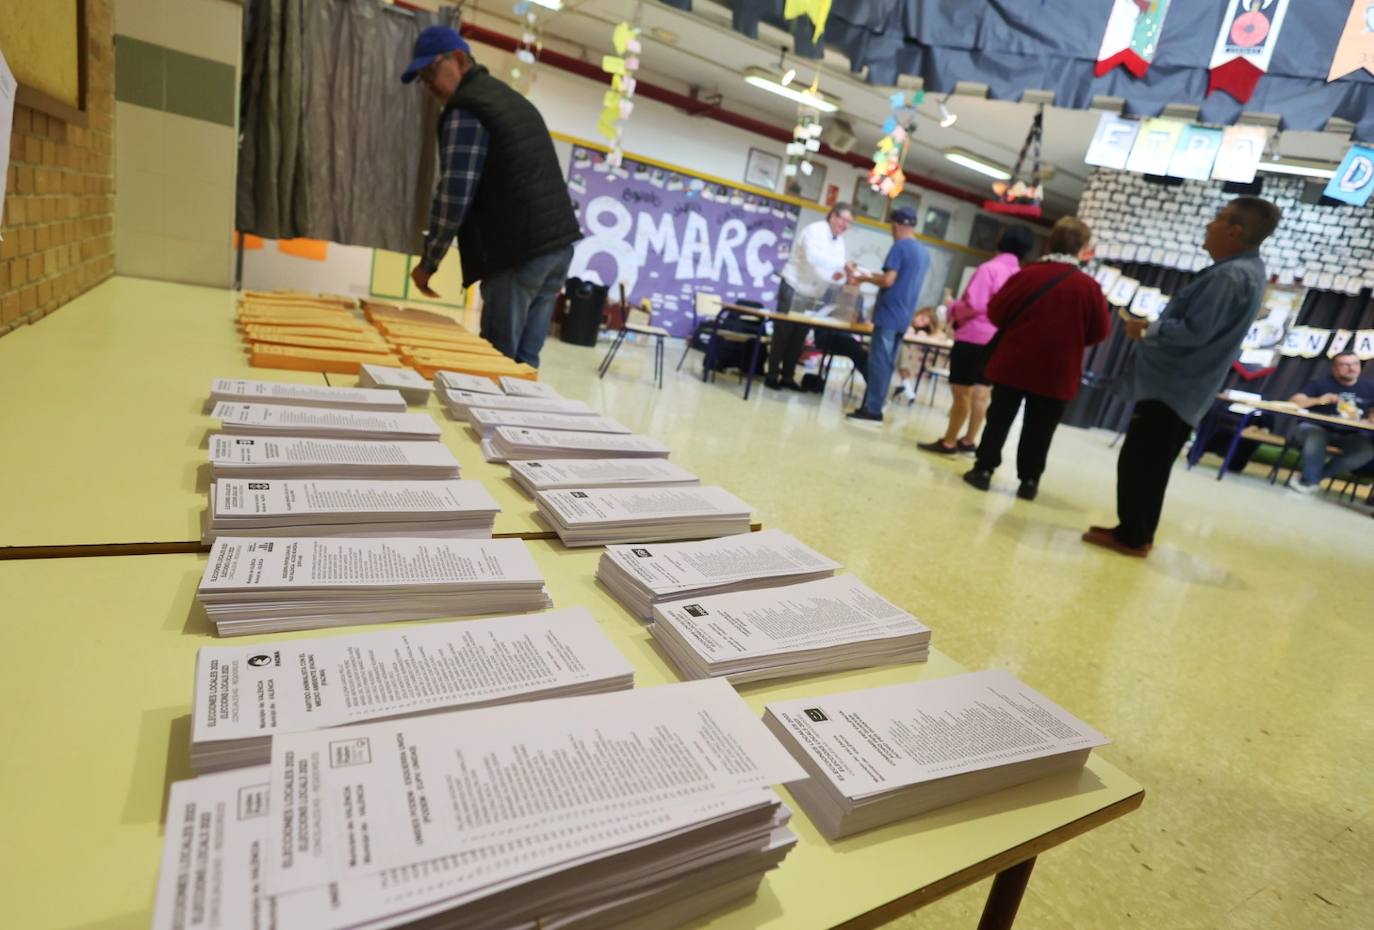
[59, 194]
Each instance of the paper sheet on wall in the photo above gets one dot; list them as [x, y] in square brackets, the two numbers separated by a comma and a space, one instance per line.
[7, 89]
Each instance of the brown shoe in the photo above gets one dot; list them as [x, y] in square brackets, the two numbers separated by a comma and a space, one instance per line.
[1104, 537]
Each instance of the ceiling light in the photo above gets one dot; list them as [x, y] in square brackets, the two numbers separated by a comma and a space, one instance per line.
[766, 80]
[549, 4]
[788, 74]
[977, 163]
[1304, 169]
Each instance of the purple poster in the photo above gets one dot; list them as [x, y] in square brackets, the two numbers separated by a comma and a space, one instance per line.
[666, 235]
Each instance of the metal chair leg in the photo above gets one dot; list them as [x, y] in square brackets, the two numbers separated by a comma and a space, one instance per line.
[658, 361]
[610, 353]
[1231, 448]
[753, 363]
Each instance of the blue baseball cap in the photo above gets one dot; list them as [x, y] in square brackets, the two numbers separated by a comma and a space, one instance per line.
[433, 42]
[903, 216]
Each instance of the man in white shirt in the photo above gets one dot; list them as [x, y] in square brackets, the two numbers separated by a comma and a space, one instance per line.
[814, 270]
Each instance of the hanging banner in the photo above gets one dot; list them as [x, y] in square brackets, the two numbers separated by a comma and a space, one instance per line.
[1355, 50]
[1305, 342]
[1112, 141]
[1196, 153]
[1339, 341]
[1132, 36]
[1354, 179]
[1245, 44]
[1154, 146]
[666, 235]
[1122, 291]
[1364, 344]
[818, 11]
[1239, 155]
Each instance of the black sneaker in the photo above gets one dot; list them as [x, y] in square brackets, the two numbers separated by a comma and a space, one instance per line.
[968, 448]
[774, 383]
[1028, 490]
[938, 447]
[979, 478]
[793, 386]
[862, 414]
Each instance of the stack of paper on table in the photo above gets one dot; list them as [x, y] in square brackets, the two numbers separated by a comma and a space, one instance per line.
[293, 457]
[306, 395]
[601, 516]
[548, 474]
[299, 358]
[246, 694]
[508, 443]
[266, 585]
[350, 507]
[883, 754]
[430, 361]
[406, 381]
[461, 403]
[523, 388]
[458, 381]
[463, 345]
[325, 422]
[486, 420]
[827, 625]
[315, 337]
[634, 810]
[642, 576]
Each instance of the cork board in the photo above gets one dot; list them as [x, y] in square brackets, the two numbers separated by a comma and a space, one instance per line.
[42, 43]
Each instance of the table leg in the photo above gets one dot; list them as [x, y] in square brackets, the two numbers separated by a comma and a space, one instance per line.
[1234, 444]
[1005, 897]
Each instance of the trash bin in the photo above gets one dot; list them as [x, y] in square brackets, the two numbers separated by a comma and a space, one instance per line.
[585, 302]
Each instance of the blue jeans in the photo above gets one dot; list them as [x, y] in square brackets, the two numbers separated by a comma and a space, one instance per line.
[517, 304]
[882, 358]
[1356, 450]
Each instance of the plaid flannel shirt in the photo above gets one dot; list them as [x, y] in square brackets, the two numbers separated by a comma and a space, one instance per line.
[462, 153]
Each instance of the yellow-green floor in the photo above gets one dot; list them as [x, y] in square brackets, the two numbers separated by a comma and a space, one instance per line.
[1232, 669]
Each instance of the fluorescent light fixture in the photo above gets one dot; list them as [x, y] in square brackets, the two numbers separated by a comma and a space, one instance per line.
[1303, 169]
[766, 80]
[549, 4]
[788, 75]
[967, 159]
[947, 119]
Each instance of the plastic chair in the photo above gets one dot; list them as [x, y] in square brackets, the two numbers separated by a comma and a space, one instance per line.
[638, 320]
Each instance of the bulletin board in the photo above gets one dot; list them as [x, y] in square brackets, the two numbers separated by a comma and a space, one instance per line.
[43, 43]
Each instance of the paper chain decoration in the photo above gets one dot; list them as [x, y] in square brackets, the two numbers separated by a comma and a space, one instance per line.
[806, 142]
[886, 176]
[1023, 193]
[527, 52]
[618, 102]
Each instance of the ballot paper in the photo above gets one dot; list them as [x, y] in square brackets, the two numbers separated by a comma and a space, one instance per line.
[414, 388]
[460, 403]
[543, 475]
[461, 381]
[487, 420]
[878, 755]
[827, 625]
[509, 443]
[602, 516]
[520, 387]
[323, 422]
[361, 799]
[306, 395]
[246, 694]
[349, 507]
[641, 576]
[291, 457]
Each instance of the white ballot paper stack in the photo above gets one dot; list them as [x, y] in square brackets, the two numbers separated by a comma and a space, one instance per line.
[548, 474]
[460, 381]
[879, 755]
[246, 694]
[520, 387]
[602, 516]
[292, 457]
[323, 422]
[460, 404]
[642, 576]
[828, 625]
[411, 385]
[262, 585]
[350, 507]
[487, 421]
[638, 809]
[510, 443]
[305, 395]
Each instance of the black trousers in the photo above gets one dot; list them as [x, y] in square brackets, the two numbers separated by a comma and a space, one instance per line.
[834, 342]
[788, 339]
[1037, 430]
[1153, 440]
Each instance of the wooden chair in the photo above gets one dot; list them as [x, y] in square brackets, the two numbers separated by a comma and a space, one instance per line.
[637, 320]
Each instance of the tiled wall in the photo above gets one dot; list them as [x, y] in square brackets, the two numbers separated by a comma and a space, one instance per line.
[176, 93]
[59, 195]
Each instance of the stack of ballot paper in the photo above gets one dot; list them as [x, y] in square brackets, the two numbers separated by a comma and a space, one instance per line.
[487, 420]
[545, 475]
[460, 403]
[459, 381]
[879, 755]
[306, 395]
[642, 576]
[349, 507]
[827, 625]
[601, 516]
[429, 362]
[246, 694]
[326, 422]
[266, 585]
[291, 457]
[521, 387]
[509, 443]
[407, 381]
[634, 810]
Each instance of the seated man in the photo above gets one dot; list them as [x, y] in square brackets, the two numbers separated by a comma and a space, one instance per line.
[1341, 393]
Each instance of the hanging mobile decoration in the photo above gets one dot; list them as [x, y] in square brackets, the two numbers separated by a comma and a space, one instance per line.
[1020, 196]
[818, 11]
[1132, 36]
[1245, 46]
[886, 176]
[527, 52]
[618, 102]
[805, 144]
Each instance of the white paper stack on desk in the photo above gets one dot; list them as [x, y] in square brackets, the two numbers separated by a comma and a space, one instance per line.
[461, 381]
[645, 575]
[294, 457]
[487, 420]
[607, 812]
[509, 443]
[602, 516]
[828, 625]
[880, 755]
[305, 395]
[547, 474]
[350, 507]
[460, 404]
[323, 422]
[246, 694]
[411, 385]
[519, 387]
[267, 585]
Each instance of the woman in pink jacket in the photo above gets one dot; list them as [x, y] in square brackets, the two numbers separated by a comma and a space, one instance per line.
[968, 316]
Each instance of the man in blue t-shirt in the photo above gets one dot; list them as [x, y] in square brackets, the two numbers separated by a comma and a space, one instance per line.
[1341, 393]
[904, 271]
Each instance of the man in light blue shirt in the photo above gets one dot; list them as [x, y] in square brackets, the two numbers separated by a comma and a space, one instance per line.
[1181, 360]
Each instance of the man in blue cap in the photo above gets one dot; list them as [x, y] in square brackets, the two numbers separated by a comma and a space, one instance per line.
[501, 193]
[904, 271]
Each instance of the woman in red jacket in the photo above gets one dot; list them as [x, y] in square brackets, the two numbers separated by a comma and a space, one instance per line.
[1046, 316]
